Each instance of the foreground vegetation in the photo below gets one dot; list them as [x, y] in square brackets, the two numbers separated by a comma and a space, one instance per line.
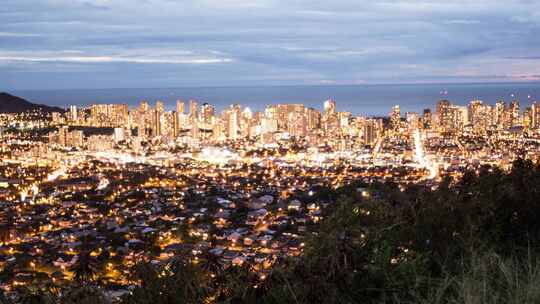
[475, 240]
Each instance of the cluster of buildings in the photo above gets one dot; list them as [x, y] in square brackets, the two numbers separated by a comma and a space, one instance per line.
[129, 211]
[482, 118]
[243, 187]
[198, 125]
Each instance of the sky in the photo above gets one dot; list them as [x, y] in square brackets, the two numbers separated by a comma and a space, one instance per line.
[71, 44]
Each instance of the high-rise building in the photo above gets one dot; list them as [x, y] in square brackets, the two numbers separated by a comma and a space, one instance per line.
[246, 122]
[57, 118]
[144, 106]
[180, 106]
[413, 121]
[157, 120]
[499, 115]
[427, 119]
[527, 118]
[371, 131]
[535, 115]
[281, 113]
[193, 109]
[344, 119]
[195, 131]
[479, 116]
[445, 116]
[395, 118]
[144, 120]
[176, 124]
[109, 115]
[99, 142]
[120, 114]
[207, 113]
[218, 132]
[119, 134]
[73, 113]
[329, 107]
[268, 125]
[514, 113]
[460, 115]
[297, 124]
[232, 117]
[313, 119]
[63, 136]
[160, 106]
[167, 124]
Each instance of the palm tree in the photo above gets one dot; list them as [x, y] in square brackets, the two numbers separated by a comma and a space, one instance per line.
[211, 263]
[84, 269]
[239, 283]
[150, 282]
[187, 281]
[180, 281]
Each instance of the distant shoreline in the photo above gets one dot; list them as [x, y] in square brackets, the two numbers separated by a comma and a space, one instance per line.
[286, 85]
[361, 100]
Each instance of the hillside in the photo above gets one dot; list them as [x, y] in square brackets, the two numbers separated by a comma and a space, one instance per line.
[14, 104]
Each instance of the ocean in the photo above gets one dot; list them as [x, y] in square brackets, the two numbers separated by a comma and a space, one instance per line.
[366, 100]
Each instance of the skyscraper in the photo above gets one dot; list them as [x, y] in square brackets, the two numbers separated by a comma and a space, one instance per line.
[499, 115]
[157, 119]
[479, 115]
[371, 131]
[207, 113]
[395, 118]
[297, 124]
[144, 106]
[232, 121]
[445, 116]
[427, 119]
[514, 113]
[329, 107]
[73, 113]
[193, 109]
[535, 115]
[180, 106]
[413, 121]
[160, 107]
[313, 119]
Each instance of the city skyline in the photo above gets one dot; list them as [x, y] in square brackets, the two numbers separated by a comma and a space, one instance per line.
[371, 100]
[269, 151]
[116, 186]
[102, 44]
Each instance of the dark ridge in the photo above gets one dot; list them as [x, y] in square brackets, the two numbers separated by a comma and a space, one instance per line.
[14, 104]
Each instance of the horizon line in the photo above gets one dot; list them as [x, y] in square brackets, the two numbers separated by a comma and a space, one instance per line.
[281, 85]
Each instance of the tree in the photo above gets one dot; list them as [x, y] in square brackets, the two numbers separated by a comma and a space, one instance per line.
[84, 295]
[177, 282]
[84, 269]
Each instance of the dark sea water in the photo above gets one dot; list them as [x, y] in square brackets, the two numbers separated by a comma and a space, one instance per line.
[358, 99]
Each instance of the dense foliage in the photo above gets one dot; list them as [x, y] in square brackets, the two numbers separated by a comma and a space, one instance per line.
[475, 240]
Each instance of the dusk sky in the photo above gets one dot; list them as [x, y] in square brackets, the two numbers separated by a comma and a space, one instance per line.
[67, 44]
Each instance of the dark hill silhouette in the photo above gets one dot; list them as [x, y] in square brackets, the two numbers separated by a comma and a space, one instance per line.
[14, 104]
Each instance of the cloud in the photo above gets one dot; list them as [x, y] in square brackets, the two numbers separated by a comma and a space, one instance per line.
[11, 34]
[235, 42]
[109, 59]
[523, 57]
[462, 22]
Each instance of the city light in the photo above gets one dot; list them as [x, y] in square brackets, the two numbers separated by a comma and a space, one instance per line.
[244, 186]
